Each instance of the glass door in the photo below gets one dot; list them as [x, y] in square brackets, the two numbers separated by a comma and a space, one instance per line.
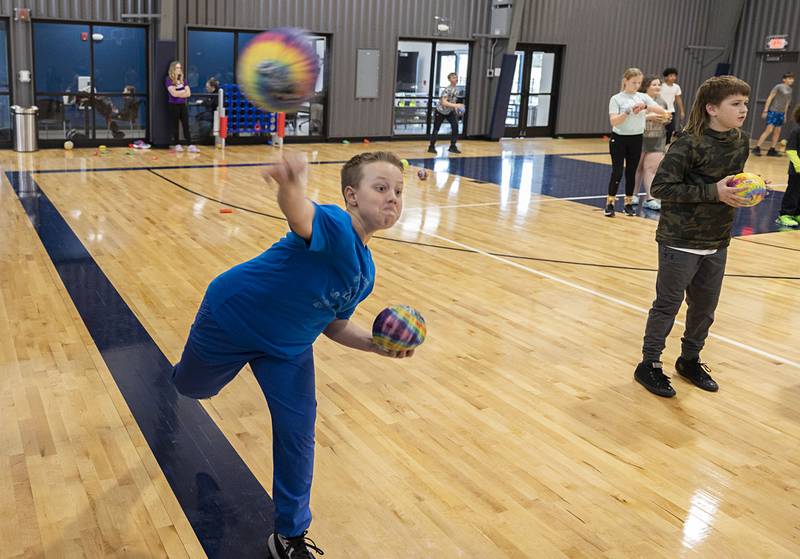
[534, 92]
[422, 70]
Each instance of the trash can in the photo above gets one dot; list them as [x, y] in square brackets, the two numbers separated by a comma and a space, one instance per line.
[25, 128]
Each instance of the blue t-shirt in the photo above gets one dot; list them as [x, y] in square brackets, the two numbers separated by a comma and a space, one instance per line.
[281, 301]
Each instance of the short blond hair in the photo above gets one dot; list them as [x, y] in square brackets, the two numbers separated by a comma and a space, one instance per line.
[628, 74]
[352, 171]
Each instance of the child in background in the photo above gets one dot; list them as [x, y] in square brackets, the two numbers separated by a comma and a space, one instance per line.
[789, 215]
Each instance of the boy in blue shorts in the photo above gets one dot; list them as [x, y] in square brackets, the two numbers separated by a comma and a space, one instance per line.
[775, 111]
[269, 311]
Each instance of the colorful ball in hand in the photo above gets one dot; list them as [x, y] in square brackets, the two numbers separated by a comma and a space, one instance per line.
[754, 185]
[278, 69]
[398, 328]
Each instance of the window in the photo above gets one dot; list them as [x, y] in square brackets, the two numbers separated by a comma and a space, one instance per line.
[213, 54]
[422, 70]
[210, 56]
[90, 81]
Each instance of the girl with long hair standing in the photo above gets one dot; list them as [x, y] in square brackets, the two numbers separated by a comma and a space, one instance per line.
[654, 142]
[627, 111]
[179, 92]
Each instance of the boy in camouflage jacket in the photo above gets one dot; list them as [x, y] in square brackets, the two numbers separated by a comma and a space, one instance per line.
[697, 212]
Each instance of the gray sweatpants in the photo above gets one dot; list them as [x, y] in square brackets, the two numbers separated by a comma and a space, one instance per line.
[700, 278]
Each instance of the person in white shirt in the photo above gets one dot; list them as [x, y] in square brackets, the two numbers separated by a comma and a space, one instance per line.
[626, 112]
[671, 93]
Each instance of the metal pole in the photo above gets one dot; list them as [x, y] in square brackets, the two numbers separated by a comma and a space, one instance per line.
[758, 86]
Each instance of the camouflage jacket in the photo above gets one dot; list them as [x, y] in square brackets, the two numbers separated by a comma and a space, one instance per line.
[691, 214]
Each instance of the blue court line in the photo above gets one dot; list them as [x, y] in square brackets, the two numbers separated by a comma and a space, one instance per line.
[561, 177]
[228, 509]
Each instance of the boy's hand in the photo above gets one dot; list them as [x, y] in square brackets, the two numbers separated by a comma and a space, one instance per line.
[291, 171]
[727, 194]
[396, 354]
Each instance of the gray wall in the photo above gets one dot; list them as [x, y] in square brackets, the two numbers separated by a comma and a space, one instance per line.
[762, 18]
[601, 38]
[354, 24]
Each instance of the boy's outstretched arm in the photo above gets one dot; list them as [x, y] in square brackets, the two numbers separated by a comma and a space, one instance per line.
[290, 174]
[351, 335]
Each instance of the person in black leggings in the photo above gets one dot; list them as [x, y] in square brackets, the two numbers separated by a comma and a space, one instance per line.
[627, 110]
[179, 92]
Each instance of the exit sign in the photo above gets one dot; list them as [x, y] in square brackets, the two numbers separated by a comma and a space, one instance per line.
[777, 42]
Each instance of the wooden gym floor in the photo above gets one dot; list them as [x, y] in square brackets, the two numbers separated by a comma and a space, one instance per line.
[517, 430]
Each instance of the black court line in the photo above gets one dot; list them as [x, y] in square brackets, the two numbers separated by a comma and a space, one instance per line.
[228, 509]
[459, 249]
[265, 164]
[766, 244]
[171, 167]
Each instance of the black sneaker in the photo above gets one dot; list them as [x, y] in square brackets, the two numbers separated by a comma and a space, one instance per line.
[454, 149]
[771, 152]
[628, 209]
[431, 149]
[650, 374]
[756, 150]
[609, 211]
[292, 548]
[696, 373]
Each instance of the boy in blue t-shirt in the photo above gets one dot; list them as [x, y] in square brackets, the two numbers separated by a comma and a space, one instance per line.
[269, 311]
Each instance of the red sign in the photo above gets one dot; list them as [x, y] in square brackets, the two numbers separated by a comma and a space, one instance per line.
[777, 42]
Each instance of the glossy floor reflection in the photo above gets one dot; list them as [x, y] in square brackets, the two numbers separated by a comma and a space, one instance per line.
[224, 502]
[517, 431]
[562, 177]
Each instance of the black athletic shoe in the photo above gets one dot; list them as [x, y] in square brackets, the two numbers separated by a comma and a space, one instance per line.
[292, 548]
[609, 211]
[650, 374]
[771, 152]
[431, 149]
[756, 150]
[628, 209]
[454, 149]
[696, 373]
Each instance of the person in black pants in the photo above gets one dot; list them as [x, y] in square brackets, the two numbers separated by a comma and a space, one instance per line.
[448, 109]
[789, 215]
[179, 92]
[627, 111]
